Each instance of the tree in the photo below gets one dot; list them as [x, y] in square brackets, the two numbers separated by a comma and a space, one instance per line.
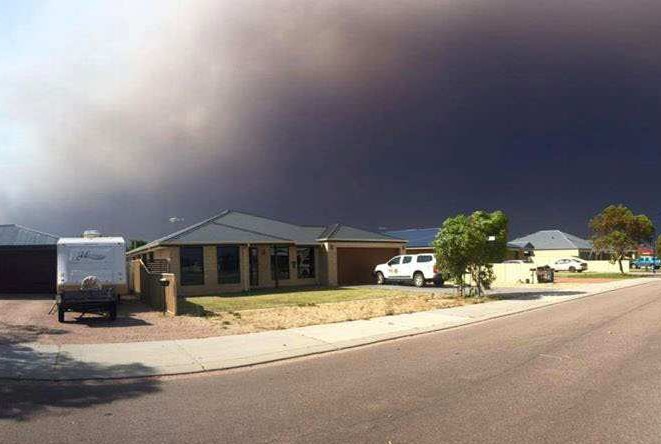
[471, 244]
[657, 250]
[135, 243]
[617, 231]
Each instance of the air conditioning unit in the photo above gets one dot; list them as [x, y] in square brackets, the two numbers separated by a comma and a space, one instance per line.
[91, 234]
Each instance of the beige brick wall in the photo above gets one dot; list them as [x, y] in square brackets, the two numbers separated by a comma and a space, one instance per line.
[325, 268]
[244, 265]
[322, 266]
[331, 258]
[211, 285]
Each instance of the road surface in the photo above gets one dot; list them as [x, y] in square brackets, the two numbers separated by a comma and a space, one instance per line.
[583, 371]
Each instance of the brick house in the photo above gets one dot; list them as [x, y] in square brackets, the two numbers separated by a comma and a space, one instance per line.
[236, 251]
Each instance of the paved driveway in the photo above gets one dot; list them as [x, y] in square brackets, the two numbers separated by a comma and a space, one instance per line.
[27, 319]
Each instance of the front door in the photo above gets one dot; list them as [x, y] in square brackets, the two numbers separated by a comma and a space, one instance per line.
[254, 267]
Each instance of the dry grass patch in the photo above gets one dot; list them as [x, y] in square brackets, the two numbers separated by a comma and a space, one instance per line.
[591, 278]
[284, 297]
[387, 302]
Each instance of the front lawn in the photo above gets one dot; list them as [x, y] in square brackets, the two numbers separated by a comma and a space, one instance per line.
[288, 308]
[286, 297]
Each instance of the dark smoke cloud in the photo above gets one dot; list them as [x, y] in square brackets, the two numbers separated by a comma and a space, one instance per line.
[314, 111]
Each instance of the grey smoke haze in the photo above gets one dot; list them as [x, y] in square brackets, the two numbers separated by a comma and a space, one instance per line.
[318, 111]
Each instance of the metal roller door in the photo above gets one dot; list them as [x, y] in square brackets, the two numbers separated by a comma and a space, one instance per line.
[26, 270]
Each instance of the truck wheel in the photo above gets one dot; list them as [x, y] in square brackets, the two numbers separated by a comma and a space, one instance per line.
[418, 279]
[113, 311]
[438, 282]
[60, 314]
[380, 280]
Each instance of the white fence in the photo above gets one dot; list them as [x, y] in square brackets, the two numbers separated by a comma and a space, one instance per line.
[510, 274]
[513, 274]
[607, 266]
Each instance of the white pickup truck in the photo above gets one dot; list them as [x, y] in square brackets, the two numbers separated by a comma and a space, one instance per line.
[411, 268]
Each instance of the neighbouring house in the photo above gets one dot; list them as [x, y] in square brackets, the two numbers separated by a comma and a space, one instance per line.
[551, 245]
[419, 240]
[236, 251]
[644, 251]
[28, 260]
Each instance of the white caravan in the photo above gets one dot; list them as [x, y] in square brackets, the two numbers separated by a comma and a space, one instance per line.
[82, 257]
[91, 273]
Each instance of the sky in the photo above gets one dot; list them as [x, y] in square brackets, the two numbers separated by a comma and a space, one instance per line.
[119, 115]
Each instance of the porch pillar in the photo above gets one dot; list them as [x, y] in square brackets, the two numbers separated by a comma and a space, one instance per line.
[245, 266]
[331, 251]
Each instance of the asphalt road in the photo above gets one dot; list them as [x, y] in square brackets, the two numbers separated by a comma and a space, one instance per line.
[583, 371]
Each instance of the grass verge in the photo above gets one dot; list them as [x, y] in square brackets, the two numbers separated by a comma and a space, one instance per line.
[588, 275]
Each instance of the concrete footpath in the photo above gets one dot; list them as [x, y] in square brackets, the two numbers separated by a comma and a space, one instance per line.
[31, 361]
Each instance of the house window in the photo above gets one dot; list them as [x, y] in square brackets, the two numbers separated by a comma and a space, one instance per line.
[192, 265]
[305, 262]
[229, 271]
[279, 263]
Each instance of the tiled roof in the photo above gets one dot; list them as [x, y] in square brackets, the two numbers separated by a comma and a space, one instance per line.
[554, 240]
[238, 227]
[16, 235]
[338, 232]
[416, 237]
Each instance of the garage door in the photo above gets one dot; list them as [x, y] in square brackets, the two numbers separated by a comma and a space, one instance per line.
[355, 265]
[28, 270]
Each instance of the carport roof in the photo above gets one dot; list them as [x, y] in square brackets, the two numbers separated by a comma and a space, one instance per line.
[339, 232]
[12, 235]
[416, 237]
[238, 227]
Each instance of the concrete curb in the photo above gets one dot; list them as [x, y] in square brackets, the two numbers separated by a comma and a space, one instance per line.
[39, 362]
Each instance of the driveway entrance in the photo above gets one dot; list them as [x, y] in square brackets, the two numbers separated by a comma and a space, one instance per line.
[355, 265]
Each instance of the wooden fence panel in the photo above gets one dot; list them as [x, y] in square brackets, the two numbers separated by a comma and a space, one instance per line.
[150, 288]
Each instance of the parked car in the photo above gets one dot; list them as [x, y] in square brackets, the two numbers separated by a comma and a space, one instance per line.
[572, 264]
[646, 262]
[518, 261]
[417, 269]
